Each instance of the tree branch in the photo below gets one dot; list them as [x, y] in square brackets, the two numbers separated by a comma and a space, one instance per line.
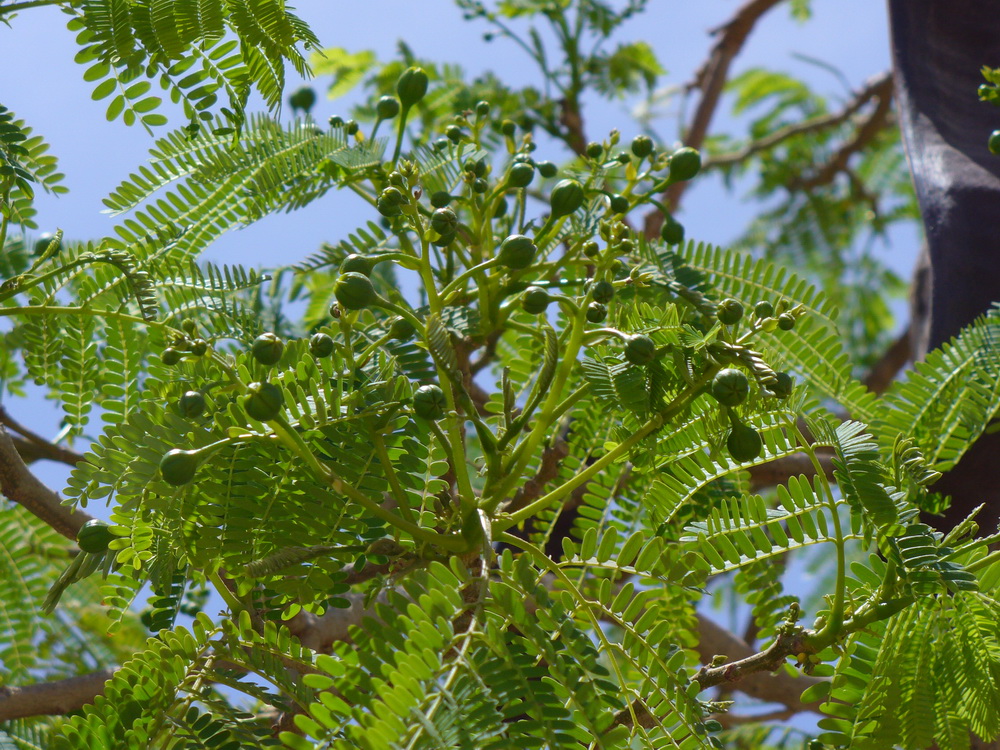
[52, 698]
[21, 486]
[779, 470]
[880, 87]
[34, 446]
[711, 79]
[894, 359]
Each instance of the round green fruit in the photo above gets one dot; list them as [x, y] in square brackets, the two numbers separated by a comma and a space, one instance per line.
[594, 150]
[508, 128]
[429, 402]
[685, 163]
[994, 142]
[302, 98]
[567, 197]
[639, 349]
[744, 443]
[189, 326]
[355, 263]
[267, 349]
[387, 107]
[411, 86]
[170, 356]
[642, 146]
[672, 231]
[596, 312]
[786, 322]
[191, 404]
[178, 466]
[354, 291]
[730, 387]
[444, 221]
[591, 249]
[482, 109]
[547, 169]
[535, 300]
[321, 345]
[94, 536]
[763, 309]
[517, 252]
[401, 330]
[454, 133]
[603, 291]
[440, 199]
[480, 185]
[729, 312]
[521, 175]
[263, 401]
[784, 385]
[619, 204]
[351, 127]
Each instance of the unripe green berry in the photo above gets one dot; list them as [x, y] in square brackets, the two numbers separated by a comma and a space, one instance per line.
[191, 404]
[639, 349]
[354, 291]
[94, 536]
[744, 443]
[685, 163]
[267, 349]
[535, 300]
[482, 109]
[355, 263]
[994, 142]
[453, 133]
[672, 231]
[401, 330]
[351, 127]
[547, 169]
[729, 312]
[782, 387]
[594, 150]
[444, 221]
[440, 199]
[642, 146]
[508, 128]
[763, 309]
[619, 204]
[189, 326]
[387, 107]
[178, 467]
[170, 356]
[520, 175]
[786, 322]
[336, 121]
[596, 312]
[321, 345]
[730, 387]
[603, 291]
[411, 86]
[429, 402]
[263, 401]
[199, 347]
[591, 249]
[302, 98]
[443, 240]
[480, 186]
[517, 252]
[567, 197]
[501, 210]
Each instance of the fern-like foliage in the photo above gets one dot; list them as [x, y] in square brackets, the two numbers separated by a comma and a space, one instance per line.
[24, 164]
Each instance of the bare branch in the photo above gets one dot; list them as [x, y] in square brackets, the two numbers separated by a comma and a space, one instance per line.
[52, 698]
[34, 446]
[883, 372]
[711, 79]
[19, 485]
[779, 470]
[880, 87]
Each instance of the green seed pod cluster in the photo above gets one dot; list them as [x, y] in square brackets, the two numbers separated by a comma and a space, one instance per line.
[596, 312]
[729, 312]
[535, 300]
[517, 252]
[354, 291]
[642, 146]
[685, 163]
[429, 402]
[390, 202]
[321, 345]
[619, 204]
[567, 197]
[191, 404]
[763, 309]
[303, 99]
[672, 231]
[94, 536]
[521, 175]
[411, 87]
[356, 263]
[387, 107]
[603, 291]
[730, 387]
[178, 467]
[267, 349]
[263, 401]
[639, 349]
[744, 443]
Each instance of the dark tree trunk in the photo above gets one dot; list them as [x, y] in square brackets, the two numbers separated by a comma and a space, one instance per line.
[939, 47]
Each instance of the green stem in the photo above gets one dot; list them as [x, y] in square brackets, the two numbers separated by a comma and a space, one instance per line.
[383, 455]
[15, 7]
[400, 132]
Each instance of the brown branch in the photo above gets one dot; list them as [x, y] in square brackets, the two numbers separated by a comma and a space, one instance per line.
[877, 121]
[883, 372]
[548, 469]
[880, 87]
[52, 698]
[711, 79]
[34, 446]
[21, 486]
[778, 471]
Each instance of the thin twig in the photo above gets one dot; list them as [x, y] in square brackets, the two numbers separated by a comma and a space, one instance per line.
[52, 698]
[894, 359]
[42, 447]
